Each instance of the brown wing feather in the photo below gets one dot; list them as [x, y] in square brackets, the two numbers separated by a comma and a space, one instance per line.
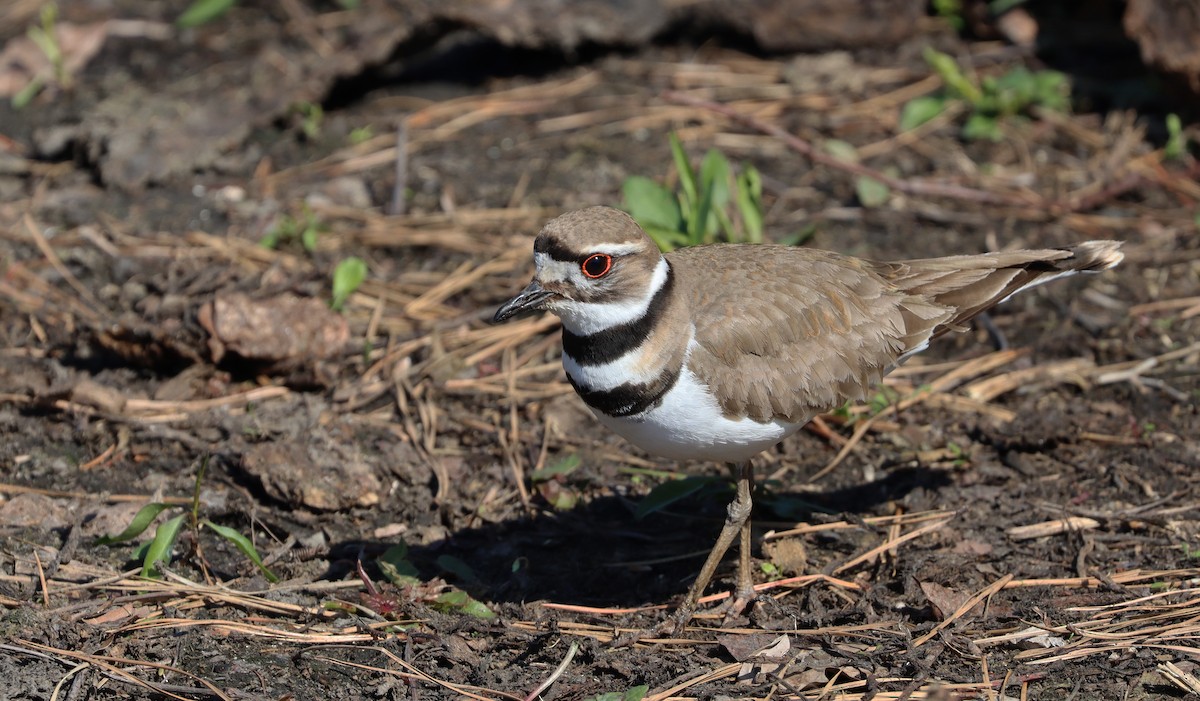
[787, 333]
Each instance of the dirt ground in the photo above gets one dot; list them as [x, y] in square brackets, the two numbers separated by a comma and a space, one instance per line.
[999, 522]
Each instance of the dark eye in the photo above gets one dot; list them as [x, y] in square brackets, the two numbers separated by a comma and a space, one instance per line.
[597, 265]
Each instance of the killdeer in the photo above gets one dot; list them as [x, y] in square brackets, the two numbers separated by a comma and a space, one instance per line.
[719, 352]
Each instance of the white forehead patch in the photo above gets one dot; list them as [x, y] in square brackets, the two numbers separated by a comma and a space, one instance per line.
[549, 269]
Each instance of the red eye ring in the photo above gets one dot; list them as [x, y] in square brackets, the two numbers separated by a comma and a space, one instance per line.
[596, 265]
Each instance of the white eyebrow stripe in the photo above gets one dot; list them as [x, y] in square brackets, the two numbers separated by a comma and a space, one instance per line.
[616, 249]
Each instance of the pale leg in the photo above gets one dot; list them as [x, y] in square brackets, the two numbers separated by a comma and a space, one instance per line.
[737, 522]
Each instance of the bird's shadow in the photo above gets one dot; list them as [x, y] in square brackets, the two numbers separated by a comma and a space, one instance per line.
[599, 554]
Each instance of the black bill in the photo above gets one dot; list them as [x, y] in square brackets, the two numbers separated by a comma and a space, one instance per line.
[528, 300]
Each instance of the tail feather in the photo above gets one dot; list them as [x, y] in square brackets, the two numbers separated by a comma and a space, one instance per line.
[966, 286]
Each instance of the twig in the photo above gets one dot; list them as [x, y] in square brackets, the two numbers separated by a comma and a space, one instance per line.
[889, 544]
[44, 246]
[1062, 525]
[964, 609]
[558, 672]
[399, 203]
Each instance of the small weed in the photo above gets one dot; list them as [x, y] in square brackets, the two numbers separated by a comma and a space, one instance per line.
[1177, 144]
[771, 570]
[843, 412]
[951, 11]
[395, 566]
[700, 210]
[202, 12]
[349, 274]
[550, 482]
[361, 135]
[960, 456]
[991, 100]
[563, 466]
[312, 116]
[307, 230]
[1191, 553]
[881, 400]
[636, 693]
[167, 533]
[870, 192]
[45, 36]
[347, 277]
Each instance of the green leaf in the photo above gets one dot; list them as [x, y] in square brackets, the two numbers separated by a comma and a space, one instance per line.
[715, 177]
[461, 601]
[308, 238]
[477, 609]
[458, 568]
[394, 565]
[957, 83]
[564, 500]
[26, 94]
[139, 553]
[687, 178]
[347, 276]
[1176, 144]
[871, 192]
[562, 466]
[651, 204]
[799, 238]
[697, 224]
[668, 493]
[920, 110]
[1053, 90]
[637, 693]
[666, 239]
[160, 548]
[141, 521]
[243, 543]
[841, 150]
[749, 202]
[203, 12]
[951, 11]
[46, 41]
[982, 126]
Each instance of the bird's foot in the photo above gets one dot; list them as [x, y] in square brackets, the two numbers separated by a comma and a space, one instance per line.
[737, 604]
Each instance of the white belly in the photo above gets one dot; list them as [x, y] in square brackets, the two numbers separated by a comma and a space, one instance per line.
[689, 425]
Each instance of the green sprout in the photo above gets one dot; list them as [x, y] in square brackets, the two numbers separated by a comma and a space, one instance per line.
[990, 100]
[347, 277]
[700, 211]
[167, 533]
